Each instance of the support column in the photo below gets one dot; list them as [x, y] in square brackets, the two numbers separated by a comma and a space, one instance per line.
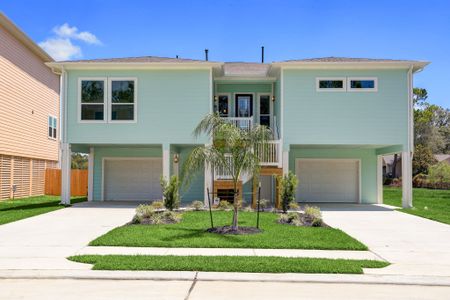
[380, 179]
[66, 160]
[166, 161]
[406, 180]
[208, 184]
[91, 174]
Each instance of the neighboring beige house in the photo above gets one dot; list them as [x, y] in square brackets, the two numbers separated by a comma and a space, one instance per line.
[29, 108]
[388, 163]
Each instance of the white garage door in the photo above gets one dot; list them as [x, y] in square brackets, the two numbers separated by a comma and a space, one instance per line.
[132, 179]
[327, 180]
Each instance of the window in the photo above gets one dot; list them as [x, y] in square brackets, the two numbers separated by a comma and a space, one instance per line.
[52, 123]
[223, 108]
[264, 110]
[123, 99]
[362, 84]
[330, 84]
[92, 99]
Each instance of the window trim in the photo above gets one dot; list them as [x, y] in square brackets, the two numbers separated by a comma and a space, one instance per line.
[343, 89]
[105, 99]
[110, 103]
[374, 89]
[51, 137]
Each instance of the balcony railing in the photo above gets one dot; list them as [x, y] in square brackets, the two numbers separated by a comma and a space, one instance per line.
[245, 123]
[270, 155]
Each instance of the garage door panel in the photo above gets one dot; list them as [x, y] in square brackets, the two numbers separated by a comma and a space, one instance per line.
[328, 180]
[132, 179]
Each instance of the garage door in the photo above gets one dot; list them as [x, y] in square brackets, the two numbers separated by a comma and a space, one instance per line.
[327, 180]
[132, 179]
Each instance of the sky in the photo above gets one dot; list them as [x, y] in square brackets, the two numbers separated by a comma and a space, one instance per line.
[235, 30]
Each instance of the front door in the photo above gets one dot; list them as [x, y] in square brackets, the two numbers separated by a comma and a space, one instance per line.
[244, 106]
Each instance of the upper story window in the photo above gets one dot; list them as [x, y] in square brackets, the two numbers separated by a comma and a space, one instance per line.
[123, 99]
[331, 84]
[363, 84]
[107, 100]
[92, 99]
[52, 123]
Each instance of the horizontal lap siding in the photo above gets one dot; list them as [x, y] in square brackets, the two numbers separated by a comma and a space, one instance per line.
[29, 93]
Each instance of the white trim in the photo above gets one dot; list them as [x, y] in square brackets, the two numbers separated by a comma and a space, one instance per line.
[110, 104]
[410, 110]
[91, 174]
[211, 92]
[407, 197]
[229, 103]
[166, 163]
[65, 173]
[379, 179]
[51, 137]
[358, 160]
[120, 158]
[244, 79]
[350, 89]
[281, 105]
[343, 79]
[105, 99]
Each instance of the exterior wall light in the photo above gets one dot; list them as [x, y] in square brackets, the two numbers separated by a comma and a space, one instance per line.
[176, 158]
[273, 98]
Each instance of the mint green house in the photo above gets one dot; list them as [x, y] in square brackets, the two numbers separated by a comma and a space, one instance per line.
[332, 120]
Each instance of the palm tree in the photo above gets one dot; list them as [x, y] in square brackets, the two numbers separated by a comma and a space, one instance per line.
[232, 150]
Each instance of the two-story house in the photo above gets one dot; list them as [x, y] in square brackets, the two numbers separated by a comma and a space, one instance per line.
[332, 120]
[29, 113]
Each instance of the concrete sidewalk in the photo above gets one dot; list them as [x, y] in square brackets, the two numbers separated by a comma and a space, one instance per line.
[332, 254]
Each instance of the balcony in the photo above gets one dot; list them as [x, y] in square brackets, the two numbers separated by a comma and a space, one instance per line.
[245, 123]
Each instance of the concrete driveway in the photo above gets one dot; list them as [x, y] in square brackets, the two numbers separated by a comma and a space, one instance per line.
[415, 246]
[44, 241]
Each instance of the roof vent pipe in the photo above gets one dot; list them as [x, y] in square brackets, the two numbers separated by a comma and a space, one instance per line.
[262, 54]
[206, 54]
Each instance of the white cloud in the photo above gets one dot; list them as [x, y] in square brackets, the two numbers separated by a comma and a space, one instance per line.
[67, 31]
[61, 48]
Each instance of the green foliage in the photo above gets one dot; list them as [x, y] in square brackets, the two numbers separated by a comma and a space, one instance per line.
[439, 173]
[146, 214]
[264, 203]
[288, 184]
[170, 192]
[197, 205]
[158, 204]
[294, 205]
[224, 205]
[79, 161]
[313, 215]
[422, 160]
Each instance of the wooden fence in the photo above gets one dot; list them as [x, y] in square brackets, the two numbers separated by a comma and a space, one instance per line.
[78, 185]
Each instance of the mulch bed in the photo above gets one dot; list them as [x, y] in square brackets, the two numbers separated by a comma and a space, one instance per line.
[230, 230]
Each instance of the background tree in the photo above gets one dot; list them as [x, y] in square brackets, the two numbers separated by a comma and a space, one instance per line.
[79, 161]
[423, 159]
[233, 150]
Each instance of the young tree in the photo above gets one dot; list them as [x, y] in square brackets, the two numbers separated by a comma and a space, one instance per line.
[422, 160]
[233, 150]
[288, 185]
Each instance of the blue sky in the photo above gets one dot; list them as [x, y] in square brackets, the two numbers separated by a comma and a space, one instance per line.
[235, 30]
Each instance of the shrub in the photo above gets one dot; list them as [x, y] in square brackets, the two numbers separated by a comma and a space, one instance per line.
[158, 204]
[396, 182]
[146, 214]
[439, 175]
[288, 184]
[144, 211]
[224, 205]
[313, 216]
[248, 209]
[387, 181]
[263, 204]
[170, 192]
[294, 205]
[289, 218]
[420, 180]
[197, 205]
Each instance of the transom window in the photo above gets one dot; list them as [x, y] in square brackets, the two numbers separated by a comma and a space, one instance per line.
[52, 123]
[112, 102]
[362, 84]
[330, 84]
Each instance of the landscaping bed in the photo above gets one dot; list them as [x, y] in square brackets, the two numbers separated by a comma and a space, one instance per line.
[428, 203]
[191, 232]
[249, 264]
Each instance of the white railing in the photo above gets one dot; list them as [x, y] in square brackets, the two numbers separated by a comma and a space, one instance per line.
[270, 155]
[245, 123]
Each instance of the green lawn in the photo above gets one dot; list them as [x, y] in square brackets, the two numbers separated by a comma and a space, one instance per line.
[250, 264]
[18, 209]
[430, 204]
[191, 233]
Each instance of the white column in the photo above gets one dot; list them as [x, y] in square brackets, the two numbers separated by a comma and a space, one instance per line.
[66, 160]
[285, 162]
[208, 184]
[166, 161]
[406, 180]
[91, 174]
[379, 179]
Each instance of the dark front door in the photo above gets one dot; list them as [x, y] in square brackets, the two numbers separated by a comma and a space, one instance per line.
[244, 105]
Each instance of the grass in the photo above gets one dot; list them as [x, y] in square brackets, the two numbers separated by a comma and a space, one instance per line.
[191, 233]
[18, 209]
[430, 204]
[249, 264]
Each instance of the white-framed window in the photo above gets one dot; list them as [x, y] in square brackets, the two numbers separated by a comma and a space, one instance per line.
[52, 125]
[362, 84]
[92, 100]
[331, 84]
[122, 99]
